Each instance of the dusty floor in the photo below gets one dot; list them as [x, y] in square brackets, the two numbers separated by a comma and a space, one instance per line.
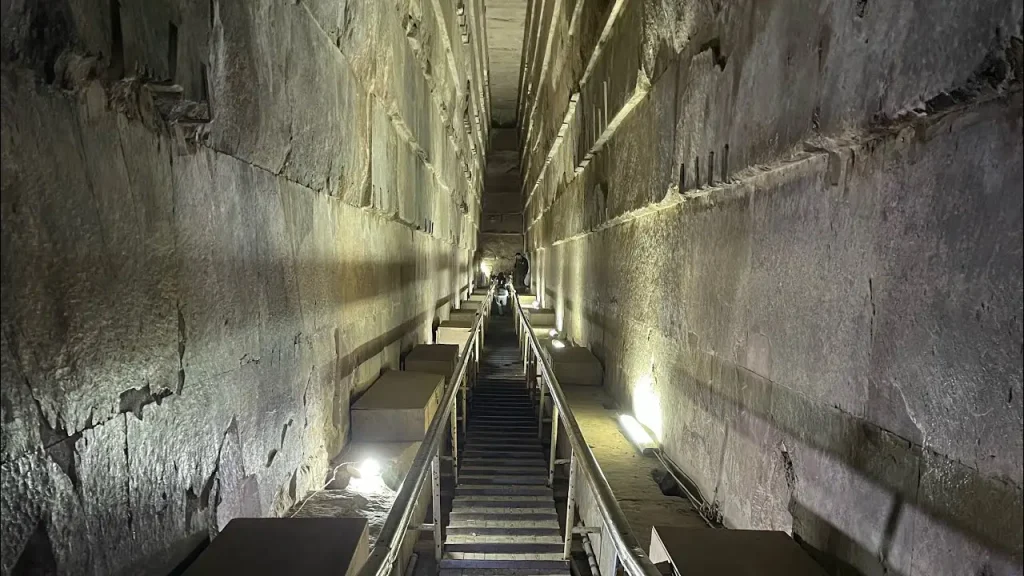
[628, 472]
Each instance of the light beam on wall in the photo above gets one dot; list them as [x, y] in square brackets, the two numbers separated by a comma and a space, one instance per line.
[647, 406]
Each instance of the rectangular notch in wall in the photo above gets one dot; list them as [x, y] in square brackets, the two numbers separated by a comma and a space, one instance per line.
[172, 51]
[116, 69]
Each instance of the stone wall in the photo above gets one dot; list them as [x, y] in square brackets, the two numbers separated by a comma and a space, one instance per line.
[792, 234]
[501, 219]
[221, 220]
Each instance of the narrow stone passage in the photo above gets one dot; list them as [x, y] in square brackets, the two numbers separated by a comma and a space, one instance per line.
[772, 253]
[503, 514]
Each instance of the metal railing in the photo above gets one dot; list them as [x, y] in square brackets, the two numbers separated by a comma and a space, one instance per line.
[581, 461]
[628, 551]
[389, 542]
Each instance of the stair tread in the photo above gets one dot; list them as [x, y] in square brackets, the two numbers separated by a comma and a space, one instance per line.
[477, 498]
[474, 509]
[492, 548]
[520, 480]
[504, 531]
[503, 519]
[503, 539]
[476, 523]
[556, 556]
[471, 470]
[502, 572]
[519, 462]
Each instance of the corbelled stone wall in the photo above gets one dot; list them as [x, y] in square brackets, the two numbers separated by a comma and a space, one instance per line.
[501, 220]
[792, 234]
[220, 221]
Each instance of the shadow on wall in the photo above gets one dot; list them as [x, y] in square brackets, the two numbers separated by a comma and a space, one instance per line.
[887, 467]
[833, 544]
[83, 315]
[68, 349]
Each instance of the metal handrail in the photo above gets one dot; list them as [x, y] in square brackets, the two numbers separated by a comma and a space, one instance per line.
[628, 550]
[385, 550]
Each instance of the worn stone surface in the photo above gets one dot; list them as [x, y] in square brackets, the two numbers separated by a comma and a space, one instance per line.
[220, 221]
[791, 234]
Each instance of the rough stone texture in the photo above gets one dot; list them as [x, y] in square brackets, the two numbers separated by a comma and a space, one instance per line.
[798, 228]
[220, 221]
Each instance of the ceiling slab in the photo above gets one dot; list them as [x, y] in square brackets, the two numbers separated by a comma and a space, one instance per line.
[506, 20]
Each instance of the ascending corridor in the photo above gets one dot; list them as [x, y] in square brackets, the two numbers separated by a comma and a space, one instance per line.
[503, 512]
[770, 252]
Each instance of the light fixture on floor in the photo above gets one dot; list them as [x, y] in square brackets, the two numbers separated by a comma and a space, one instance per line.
[558, 344]
[366, 477]
[647, 405]
[553, 333]
[637, 434]
[369, 468]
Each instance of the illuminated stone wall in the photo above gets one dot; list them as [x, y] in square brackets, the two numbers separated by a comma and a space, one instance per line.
[220, 221]
[792, 234]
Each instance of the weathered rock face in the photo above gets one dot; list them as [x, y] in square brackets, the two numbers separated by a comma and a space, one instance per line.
[220, 220]
[792, 233]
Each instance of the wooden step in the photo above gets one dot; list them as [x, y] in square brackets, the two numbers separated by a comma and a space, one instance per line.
[484, 489]
[498, 547]
[503, 572]
[464, 560]
[502, 479]
[549, 530]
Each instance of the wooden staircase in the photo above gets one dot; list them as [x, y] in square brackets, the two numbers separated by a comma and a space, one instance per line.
[503, 519]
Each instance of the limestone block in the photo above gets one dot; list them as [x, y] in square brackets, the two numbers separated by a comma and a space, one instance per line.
[575, 365]
[542, 317]
[454, 332]
[397, 407]
[433, 359]
[286, 546]
[703, 551]
[464, 315]
[476, 298]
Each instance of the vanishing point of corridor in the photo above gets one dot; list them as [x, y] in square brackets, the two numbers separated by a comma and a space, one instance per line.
[512, 288]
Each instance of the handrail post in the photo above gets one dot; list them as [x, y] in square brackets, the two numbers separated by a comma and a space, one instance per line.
[570, 506]
[526, 356]
[476, 348]
[465, 408]
[554, 445]
[524, 342]
[435, 486]
[540, 415]
[455, 442]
